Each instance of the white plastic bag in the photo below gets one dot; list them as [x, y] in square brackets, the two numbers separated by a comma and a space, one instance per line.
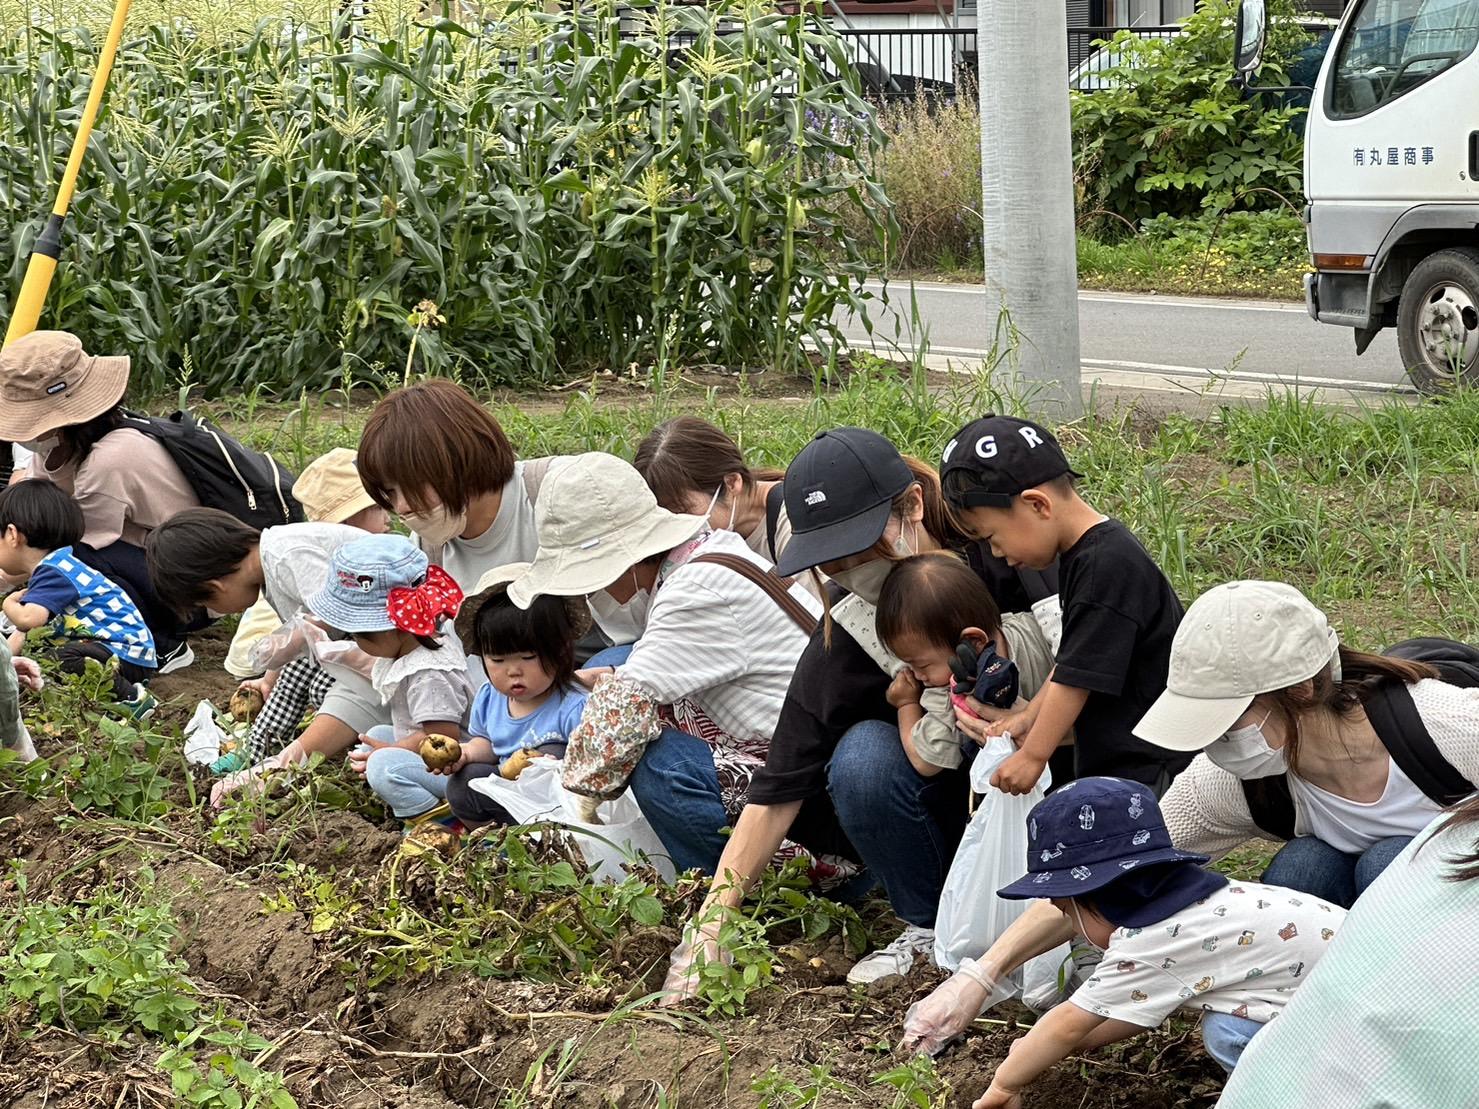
[203, 736]
[992, 853]
[623, 834]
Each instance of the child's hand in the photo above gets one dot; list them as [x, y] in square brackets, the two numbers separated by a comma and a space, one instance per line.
[361, 754]
[997, 1098]
[588, 678]
[261, 686]
[905, 689]
[1018, 774]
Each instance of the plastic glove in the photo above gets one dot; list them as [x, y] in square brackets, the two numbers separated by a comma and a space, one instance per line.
[250, 779]
[587, 808]
[932, 1023]
[273, 652]
[28, 673]
[682, 981]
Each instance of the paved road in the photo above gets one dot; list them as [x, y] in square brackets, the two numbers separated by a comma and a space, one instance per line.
[1126, 337]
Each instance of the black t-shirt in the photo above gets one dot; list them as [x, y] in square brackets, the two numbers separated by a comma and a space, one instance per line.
[1119, 617]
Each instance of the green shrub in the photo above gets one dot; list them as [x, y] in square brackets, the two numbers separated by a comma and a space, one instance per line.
[1172, 134]
[267, 198]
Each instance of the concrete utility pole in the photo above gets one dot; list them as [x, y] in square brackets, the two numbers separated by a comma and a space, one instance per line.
[1027, 177]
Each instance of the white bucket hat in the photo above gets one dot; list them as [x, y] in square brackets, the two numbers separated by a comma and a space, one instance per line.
[596, 519]
[1236, 641]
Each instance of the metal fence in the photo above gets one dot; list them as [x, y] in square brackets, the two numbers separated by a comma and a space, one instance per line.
[900, 63]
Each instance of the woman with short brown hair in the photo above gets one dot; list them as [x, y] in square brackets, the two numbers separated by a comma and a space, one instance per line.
[437, 458]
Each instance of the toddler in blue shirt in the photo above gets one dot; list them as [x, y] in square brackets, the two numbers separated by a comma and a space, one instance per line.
[532, 701]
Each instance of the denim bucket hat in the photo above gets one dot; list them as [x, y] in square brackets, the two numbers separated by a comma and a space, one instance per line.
[1090, 833]
[362, 573]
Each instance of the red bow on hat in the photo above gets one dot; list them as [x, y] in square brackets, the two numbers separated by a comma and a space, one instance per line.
[420, 610]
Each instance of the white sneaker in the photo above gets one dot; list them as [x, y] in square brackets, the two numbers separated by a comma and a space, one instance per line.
[897, 958]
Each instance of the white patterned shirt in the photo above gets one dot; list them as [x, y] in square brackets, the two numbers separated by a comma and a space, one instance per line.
[1242, 951]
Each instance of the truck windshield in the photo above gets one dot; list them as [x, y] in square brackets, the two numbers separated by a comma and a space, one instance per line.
[1391, 47]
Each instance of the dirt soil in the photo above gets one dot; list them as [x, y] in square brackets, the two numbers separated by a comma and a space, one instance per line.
[460, 1040]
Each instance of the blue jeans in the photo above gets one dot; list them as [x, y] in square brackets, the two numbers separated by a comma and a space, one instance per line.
[1312, 865]
[1225, 1036]
[611, 656]
[400, 778]
[904, 826]
[678, 788]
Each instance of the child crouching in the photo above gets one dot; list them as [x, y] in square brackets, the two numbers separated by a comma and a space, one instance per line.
[1174, 936]
[532, 701]
[934, 613]
[381, 591]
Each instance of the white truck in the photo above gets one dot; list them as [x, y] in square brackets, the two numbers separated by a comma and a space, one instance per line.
[1391, 175]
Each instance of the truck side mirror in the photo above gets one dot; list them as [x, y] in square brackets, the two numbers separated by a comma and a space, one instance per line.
[1250, 35]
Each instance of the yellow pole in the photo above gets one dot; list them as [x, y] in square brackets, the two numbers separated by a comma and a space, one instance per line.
[48, 246]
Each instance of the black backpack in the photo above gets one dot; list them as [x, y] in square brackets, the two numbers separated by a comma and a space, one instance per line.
[250, 485]
[1401, 731]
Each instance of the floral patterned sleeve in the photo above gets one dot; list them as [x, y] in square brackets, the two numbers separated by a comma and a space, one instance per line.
[619, 721]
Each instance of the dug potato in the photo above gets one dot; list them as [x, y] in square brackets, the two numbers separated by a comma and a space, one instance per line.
[245, 704]
[440, 751]
[516, 763]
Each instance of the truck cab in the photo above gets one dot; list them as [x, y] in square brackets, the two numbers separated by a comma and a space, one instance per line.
[1391, 176]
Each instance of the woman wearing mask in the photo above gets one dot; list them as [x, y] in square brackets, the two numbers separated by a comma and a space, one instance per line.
[1305, 740]
[692, 466]
[438, 459]
[837, 779]
[65, 406]
[685, 717]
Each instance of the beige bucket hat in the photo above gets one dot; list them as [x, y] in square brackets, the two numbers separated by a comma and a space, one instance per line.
[496, 581]
[47, 381]
[1236, 641]
[329, 488]
[596, 519]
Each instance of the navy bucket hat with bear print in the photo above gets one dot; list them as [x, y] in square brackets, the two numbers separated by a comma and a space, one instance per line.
[1090, 833]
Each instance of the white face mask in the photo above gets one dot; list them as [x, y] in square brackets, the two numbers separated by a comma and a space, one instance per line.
[437, 526]
[43, 447]
[867, 580]
[1245, 753]
[733, 508]
[622, 621]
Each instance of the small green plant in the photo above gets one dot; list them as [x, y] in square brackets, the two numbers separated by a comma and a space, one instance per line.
[105, 966]
[777, 1091]
[208, 1068]
[916, 1084]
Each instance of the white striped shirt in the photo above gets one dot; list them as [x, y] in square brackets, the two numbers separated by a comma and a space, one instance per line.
[716, 640]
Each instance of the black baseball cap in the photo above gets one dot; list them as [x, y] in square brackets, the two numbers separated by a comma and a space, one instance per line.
[839, 492]
[996, 458]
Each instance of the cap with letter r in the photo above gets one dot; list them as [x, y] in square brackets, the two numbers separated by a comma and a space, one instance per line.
[996, 458]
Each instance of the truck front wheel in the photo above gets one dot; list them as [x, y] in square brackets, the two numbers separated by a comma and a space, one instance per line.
[1438, 320]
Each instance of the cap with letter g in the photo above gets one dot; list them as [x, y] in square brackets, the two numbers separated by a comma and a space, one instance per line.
[996, 458]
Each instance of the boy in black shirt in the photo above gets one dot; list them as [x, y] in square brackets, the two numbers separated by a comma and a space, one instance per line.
[1009, 483]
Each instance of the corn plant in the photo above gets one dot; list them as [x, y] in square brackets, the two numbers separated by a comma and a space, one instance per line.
[271, 191]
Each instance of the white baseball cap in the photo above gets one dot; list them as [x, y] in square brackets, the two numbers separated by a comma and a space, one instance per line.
[1236, 641]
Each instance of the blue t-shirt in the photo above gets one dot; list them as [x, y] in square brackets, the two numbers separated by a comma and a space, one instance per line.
[87, 604]
[552, 722]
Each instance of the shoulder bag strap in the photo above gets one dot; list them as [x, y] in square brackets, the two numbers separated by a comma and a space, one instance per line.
[535, 471]
[1406, 738]
[1271, 805]
[776, 588]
